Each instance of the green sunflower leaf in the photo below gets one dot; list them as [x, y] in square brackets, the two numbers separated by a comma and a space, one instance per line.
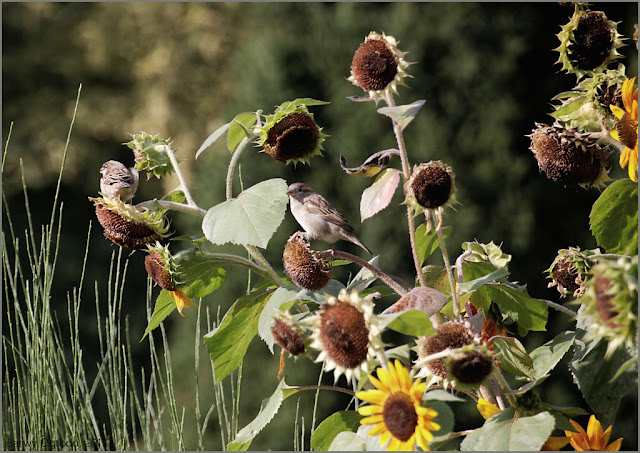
[409, 322]
[513, 357]
[402, 114]
[614, 218]
[163, 308]
[427, 243]
[239, 129]
[249, 219]
[445, 419]
[212, 138]
[547, 356]
[529, 313]
[228, 343]
[503, 432]
[339, 422]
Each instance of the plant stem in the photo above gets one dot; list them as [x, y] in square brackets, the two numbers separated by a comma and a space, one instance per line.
[391, 283]
[324, 387]
[183, 183]
[232, 165]
[503, 383]
[240, 261]
[447, 265]
[172, 205]
[559, 307]
[406, 168]
[262, 261]
[414, 247]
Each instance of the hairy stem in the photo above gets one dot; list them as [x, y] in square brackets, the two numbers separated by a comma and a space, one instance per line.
[233, 163]
[390, 281]
[262, 261]
[406, 168]
[559, 307]
[183, 183]
[414, 247]
[239, 261]
[505, 386]
[172, 205]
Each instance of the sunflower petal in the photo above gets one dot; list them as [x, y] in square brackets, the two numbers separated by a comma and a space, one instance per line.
[373, 396]
[370, 409]
[617, 111]
[615, 445]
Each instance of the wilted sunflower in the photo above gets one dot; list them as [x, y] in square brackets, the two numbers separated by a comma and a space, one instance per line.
[627, 127]
[346, 333]
[378, 67]
[162, 269]
[396, 411]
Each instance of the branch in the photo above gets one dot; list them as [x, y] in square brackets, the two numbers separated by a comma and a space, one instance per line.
[172, 205]
[388, 279]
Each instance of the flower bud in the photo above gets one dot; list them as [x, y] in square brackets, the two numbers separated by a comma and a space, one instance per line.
[449, 334]
[469, 368]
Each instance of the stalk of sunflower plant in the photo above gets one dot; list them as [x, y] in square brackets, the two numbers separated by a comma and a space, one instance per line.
[396, 411]
[626, 131]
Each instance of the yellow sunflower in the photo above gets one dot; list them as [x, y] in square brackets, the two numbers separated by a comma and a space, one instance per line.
[395, 410]
[627, 127]
[594, 439]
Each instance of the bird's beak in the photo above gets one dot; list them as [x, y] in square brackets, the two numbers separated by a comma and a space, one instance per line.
[290, 192]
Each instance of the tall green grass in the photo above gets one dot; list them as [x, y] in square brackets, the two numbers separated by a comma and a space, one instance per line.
[48, 401]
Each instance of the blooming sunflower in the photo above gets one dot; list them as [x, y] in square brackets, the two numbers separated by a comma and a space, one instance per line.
[347, 333]
[594, 439]
[395, 410]
[627, 127]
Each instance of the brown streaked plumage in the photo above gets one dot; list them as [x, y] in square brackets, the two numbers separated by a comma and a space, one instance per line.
[118, 180]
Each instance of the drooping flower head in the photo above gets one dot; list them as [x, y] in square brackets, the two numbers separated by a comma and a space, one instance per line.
[593, 439]
[346, 333]
[395, 410]
[569, 270]
[163, 270]
[588, 43]
[431, 187]
[567, 156]
[450, 335]
[303, 266]
[291, 133]
[627, 127]
[378, 67]
[127, 226]
[289, 336]
[609, 306]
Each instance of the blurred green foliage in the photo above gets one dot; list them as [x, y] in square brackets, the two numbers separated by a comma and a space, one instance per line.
[486, 71]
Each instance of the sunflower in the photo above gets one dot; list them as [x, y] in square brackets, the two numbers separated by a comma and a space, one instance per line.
[347, 334]
[627, 127]
[594, 439]
[395, 410]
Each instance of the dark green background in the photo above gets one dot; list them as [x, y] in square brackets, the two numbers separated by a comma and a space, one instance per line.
[486, 71]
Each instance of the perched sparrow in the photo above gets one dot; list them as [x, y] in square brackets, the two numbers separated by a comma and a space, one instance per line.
[118, 180]
[318, 217]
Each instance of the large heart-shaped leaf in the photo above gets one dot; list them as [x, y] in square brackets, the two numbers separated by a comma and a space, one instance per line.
[249, 219]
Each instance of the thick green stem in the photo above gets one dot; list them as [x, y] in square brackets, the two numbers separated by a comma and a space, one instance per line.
[414, 247]
[559, 307]
[262, 261]
[406, 168]
[505, 386]
[239, 261]
[447, 265]
[391, 283]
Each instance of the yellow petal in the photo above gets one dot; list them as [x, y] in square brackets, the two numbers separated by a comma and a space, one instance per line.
[617, 111]
[487, 409]
[615, 445]
[181, 300]
[386, 378]
[373, 396]
[371, 420]
[378, 429]
[555, 443]
[370, 409]
[594, 428]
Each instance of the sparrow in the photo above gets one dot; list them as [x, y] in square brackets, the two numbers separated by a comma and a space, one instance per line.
[318, 217]
[118, 180]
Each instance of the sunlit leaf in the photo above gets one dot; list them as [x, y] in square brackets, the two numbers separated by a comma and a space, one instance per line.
[378, 196]
[212, 138]
[239, 129]
[529, 313]
[504, 432]
[513, 357]
[614, 218]
[408, 322]
[228, 343]
[428, 243]
[165, 304]
[249, 219]
[402, 114]
[336, 423]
